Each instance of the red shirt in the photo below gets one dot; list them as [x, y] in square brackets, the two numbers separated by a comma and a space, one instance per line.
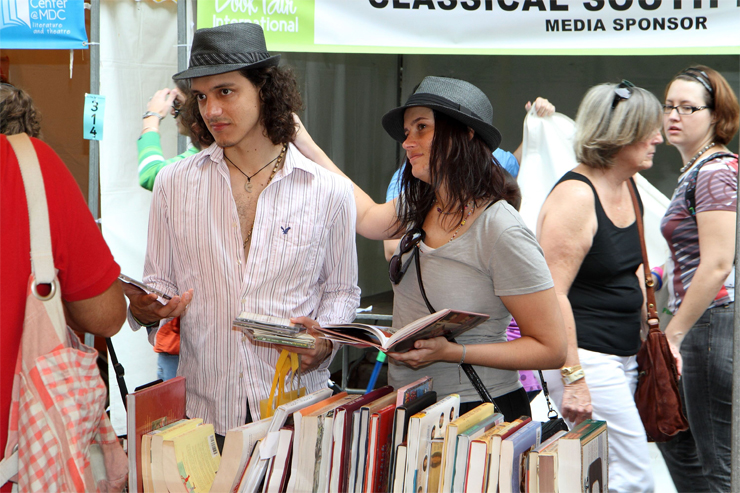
[85, 265]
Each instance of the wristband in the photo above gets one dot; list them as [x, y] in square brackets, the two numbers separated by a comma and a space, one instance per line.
[148, 326]
[572, 374]
[147, 114]
[658, 271]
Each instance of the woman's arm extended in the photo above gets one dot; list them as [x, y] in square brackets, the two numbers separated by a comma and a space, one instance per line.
[374, 221]
[566, 228]
[717, 250]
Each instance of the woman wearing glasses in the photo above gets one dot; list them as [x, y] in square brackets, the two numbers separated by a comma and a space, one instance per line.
[588, 232]
[700, 118]
[474, 251]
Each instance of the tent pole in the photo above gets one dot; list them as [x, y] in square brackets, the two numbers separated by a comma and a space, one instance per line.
[182, 54]
[736, 362]
[93, 186]
[93, 181]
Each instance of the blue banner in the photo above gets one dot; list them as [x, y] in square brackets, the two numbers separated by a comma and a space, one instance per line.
[42, 24]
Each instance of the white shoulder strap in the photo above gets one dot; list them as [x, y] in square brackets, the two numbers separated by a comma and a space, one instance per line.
[42, 258]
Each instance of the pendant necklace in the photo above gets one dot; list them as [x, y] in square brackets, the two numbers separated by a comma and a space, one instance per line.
[693, 159]
[248, 185]
[269, 180]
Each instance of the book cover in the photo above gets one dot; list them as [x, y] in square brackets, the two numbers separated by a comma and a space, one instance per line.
[445, 323]
[413, 391]
[514, 448]
[238, 445]
[399, 469]
[463, 448]
[190, 460]
[434, 475]
[423, 426]
[147, 410]
[279, 474]
[401, 421]
[339, 471]
[494, 451]
[381, 423]
[363, 447]
[534, 472]
[155, 479]
[474, 477]
[583, 458]
[459, 424]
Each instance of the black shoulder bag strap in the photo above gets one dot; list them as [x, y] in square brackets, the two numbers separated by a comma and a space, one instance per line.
[468, 369]
[690, 194]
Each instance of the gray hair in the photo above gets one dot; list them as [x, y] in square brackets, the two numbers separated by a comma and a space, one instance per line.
[601, 131]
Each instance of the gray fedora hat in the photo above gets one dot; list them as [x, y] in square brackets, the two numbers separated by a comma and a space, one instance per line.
[217, 50]
[455, 98]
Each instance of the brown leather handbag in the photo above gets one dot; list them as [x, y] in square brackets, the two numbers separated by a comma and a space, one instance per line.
[657, 397]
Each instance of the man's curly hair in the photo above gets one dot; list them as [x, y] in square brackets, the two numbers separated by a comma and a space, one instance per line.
[18, 114]
[278, 91]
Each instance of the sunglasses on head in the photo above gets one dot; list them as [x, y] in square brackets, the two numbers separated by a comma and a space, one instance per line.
[176, 108]
[397, 268]
[622, 92]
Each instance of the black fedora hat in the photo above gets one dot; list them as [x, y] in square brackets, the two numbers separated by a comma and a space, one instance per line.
[217, 50]
[455, 98]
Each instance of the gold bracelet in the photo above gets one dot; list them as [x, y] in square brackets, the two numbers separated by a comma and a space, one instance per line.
[149, 128]
[572, 374]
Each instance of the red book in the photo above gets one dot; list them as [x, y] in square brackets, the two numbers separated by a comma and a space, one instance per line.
[381, 424]
[339, 473]
[147, 410]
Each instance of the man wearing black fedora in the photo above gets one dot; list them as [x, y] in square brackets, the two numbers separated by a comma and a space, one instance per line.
[246, 225]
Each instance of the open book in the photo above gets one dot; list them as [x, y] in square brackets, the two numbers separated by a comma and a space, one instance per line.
[273, 330]
[445, 323]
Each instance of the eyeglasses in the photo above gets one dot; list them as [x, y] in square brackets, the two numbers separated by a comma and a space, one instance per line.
[397, 268]
[622, 91]
[683, 109]
[176, 109]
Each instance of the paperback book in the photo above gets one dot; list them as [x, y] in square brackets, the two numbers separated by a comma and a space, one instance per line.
[445, 323]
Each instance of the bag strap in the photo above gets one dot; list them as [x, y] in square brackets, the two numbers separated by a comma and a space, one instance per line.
[690, 195]
[472, 375]
[42, 258]
[653, 321]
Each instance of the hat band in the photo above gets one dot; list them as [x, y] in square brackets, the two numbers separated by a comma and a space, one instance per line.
[227, 58]
[422, 99]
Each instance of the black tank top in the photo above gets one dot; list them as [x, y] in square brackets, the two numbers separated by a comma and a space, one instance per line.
[605, 296]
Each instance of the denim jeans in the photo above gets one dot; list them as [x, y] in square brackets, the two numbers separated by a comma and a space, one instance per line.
[167, 365]
[699, 459]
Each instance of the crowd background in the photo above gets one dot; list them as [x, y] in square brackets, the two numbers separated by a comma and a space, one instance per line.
[359, 87]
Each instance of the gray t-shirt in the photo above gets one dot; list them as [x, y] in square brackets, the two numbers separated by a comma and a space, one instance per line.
[497, 256]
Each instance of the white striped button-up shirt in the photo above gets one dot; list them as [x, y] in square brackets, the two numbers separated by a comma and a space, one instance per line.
[302, 261]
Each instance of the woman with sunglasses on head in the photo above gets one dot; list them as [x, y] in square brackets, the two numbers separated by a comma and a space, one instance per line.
[700, 118]
[588, 231]
[474, 250]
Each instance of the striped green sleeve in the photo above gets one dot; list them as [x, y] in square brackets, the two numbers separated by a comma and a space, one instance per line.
[151, 160]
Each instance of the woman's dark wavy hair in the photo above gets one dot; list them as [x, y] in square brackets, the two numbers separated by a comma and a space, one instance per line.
[280, 98]
[464, 165]
[18, 114]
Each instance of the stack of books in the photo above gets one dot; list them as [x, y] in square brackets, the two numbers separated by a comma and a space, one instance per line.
[401, 441]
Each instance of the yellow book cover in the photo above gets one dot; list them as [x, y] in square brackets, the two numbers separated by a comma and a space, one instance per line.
[191, 460]
[155, 452]
[151, 447]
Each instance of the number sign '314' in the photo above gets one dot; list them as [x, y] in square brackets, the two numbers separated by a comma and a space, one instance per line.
[92, 123]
